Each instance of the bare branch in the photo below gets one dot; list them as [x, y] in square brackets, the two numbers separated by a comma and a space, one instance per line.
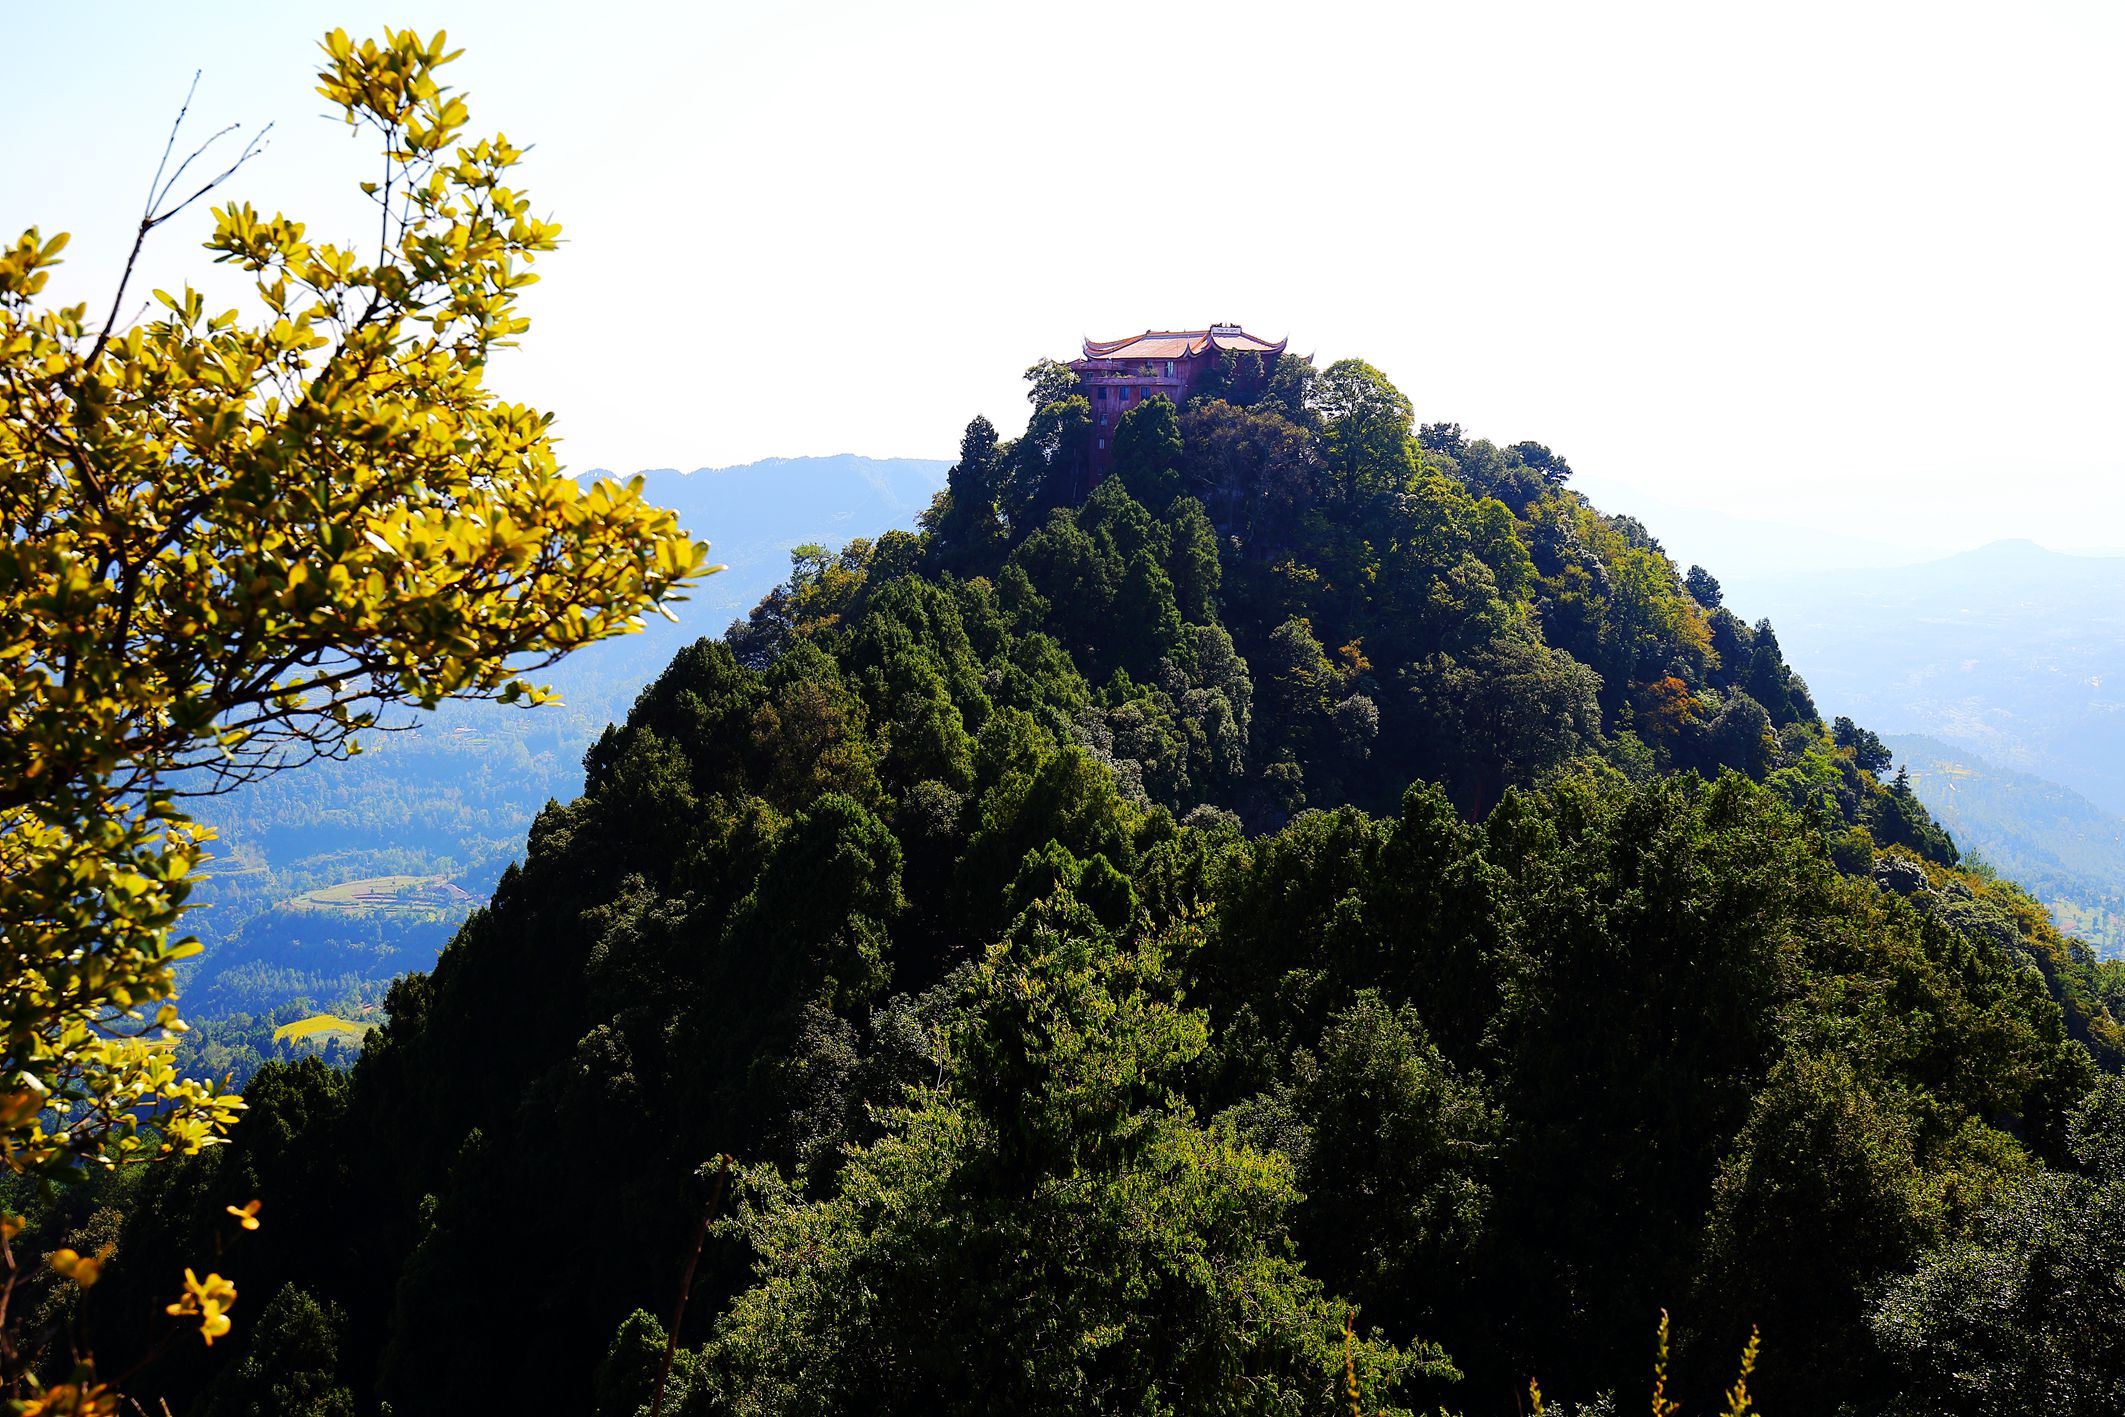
[197, 153]
[251, 149]
[170, 146]
[155, 214]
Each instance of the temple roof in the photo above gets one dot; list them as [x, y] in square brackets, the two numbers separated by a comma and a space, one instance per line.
[1179, 344]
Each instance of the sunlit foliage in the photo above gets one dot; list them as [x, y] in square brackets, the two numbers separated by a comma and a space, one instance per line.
[232, 542]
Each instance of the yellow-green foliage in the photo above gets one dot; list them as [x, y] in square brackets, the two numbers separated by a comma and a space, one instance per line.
[229, 541]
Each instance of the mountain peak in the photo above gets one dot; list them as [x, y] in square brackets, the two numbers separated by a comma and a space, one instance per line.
[2013, 548]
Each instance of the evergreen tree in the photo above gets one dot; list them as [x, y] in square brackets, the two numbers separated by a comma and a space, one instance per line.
[968, 525]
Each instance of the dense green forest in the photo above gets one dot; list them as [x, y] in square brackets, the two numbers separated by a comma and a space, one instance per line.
[1072, 957]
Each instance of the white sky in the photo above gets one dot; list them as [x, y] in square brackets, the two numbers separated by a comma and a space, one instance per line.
[1850, 265]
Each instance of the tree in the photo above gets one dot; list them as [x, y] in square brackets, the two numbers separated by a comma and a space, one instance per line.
[232, 545]
[1488, 470]
[1444, 438]
[1048, 463]
[1147, 451]
[1554, 469]
[1297, 681]
[1648, 618]
[1047, 1229]
[1898, 818]
[1288, 391]
[292, 1368]
[1253, 468]
[1739, 736]
[1052, 381]
[1234, 378]
[1772, 683]
[2024, 1314]
[968, 525]
[1193, 560]
[1365, 427]
[1507, 712]
[1703, 587]
[1389, 1145]
[1821, 1195]
[1699, 895]
[1869, 753]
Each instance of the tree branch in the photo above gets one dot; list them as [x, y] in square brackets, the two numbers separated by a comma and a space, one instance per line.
[154, 214]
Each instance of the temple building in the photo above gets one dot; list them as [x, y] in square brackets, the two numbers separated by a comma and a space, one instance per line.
[1119, 374]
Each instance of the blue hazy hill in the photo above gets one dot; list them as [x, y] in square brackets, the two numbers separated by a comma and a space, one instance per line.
[2010, 651]
[751, 515]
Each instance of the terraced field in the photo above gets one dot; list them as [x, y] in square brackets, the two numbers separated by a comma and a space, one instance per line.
[389, 894]
[322, 1029]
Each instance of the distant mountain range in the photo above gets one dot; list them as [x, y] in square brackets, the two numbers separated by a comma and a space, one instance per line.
[751, 515]
[450, 798]
[1998, 676]
[2010, 651]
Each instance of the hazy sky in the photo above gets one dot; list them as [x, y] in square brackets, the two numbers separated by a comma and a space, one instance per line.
[1851, 266]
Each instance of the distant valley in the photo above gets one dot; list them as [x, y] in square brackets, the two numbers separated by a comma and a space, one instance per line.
[2011, 651]
[2068, 852]
[1998, 676]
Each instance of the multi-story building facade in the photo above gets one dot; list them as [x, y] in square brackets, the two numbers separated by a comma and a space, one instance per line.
[1118, 375]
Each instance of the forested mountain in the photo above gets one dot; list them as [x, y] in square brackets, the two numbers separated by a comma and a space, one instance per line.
[1071, 957]
[449, 799]
[2051, 840]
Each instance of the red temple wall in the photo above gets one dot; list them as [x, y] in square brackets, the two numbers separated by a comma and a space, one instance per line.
[1128, 387]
